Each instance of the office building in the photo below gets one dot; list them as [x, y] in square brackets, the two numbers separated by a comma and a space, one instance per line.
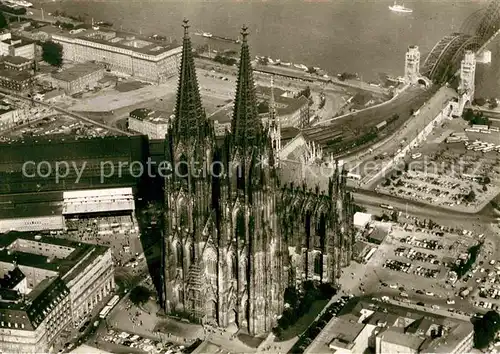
[126, 53]
[16, 46]
[78, 78]
[48, 285]
[146, 121]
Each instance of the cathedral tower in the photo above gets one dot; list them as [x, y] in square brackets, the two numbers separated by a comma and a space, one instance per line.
[248, 201]
[189, 148]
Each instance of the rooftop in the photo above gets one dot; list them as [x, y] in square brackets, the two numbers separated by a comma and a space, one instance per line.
[149, 115]
[395, 336]
[124, 40]
[12, 278]
[344, 333]
[28, 312]
[378, 233]
[15, 75]
[5, 107]
[76, 72]
[16, 60]
[409, 326]
[17, 41]
[284, 105]
[74, 255]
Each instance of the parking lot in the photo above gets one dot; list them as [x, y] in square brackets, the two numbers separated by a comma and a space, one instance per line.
[147, 345]
[449, 174]
[413, 265]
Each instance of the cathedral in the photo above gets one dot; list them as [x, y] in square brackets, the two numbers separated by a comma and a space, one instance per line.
[235, 238]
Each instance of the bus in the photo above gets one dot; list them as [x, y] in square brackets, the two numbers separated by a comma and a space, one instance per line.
[114, 300]
[105, 311]
[353, 176]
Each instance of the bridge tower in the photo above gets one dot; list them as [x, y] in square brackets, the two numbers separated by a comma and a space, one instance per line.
[466, 85]
[467, 74]
[412, 65]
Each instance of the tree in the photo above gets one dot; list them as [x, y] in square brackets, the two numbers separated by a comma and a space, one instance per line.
[479, 101]
[3, 21]
[485, 329]
[52, 53]
[139, 295]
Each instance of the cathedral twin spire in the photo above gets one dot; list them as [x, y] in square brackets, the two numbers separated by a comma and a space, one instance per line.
[191, 126]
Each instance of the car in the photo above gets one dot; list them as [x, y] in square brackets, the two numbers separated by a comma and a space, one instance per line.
[435, 307]
[393, 286]
[385, 284]
[420, 303]
[450, 302]
[429, 293]
[420, 292]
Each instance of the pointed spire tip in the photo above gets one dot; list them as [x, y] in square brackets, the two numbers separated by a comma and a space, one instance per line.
[185, 25]
[244, 32]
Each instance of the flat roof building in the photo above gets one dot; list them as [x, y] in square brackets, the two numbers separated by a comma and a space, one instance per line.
[98, 201]
[386, 328]
[14, 80]
[78, 78]
[154, 124]
[16, 46]
[123, 52]
[10, 116]
[52, 284]
[17, 63]
[361, 220]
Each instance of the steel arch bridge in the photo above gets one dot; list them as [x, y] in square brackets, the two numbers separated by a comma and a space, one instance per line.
[444, 59]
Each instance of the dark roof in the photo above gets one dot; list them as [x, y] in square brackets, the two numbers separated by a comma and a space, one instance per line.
[64, 267]
[288, 133]
[48, 294]
[379, 233]
[15, 75]
[71, 149]
[284, 105]
[77, 71]
[16, 60]
[12, 278]
[150, 115]
[28, 312]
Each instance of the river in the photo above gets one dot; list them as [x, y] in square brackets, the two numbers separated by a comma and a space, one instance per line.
[354, 36]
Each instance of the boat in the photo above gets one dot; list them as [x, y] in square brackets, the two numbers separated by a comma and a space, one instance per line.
[104, 24]
[157, 37]
[20, 3]
[400, 8]
[207, 35]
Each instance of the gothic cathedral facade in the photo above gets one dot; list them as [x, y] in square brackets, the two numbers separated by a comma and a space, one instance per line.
[234, 238]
